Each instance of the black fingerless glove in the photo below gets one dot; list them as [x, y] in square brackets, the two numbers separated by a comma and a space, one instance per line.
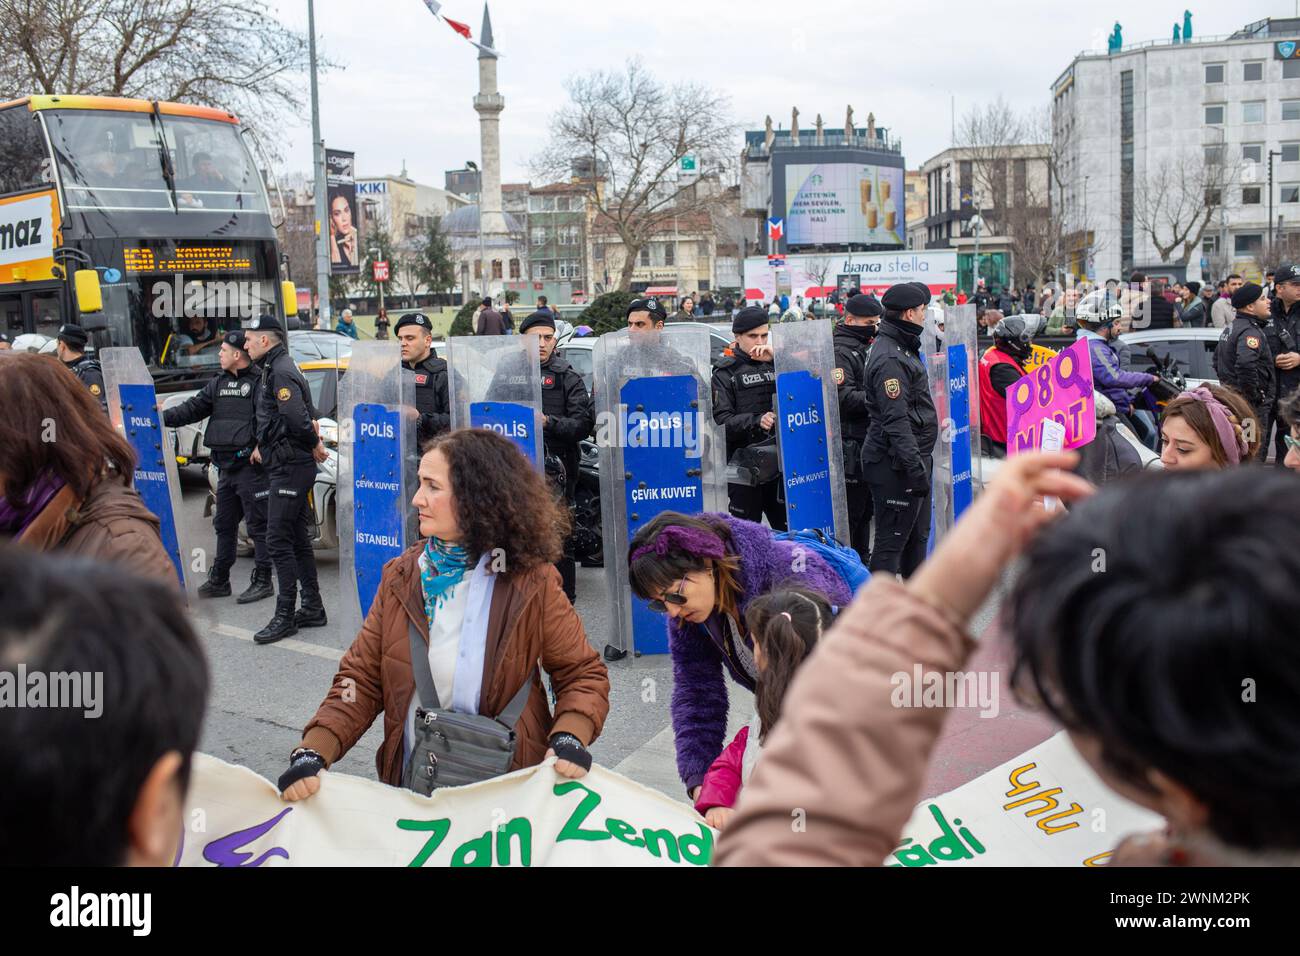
[919, 491]
[303, 763]
[570, 748]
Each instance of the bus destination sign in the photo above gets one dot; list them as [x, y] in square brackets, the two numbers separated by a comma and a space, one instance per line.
[194, 260]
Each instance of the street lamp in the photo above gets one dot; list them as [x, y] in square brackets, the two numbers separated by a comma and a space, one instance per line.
[976, 224]
[1271, 154]
[482, 266]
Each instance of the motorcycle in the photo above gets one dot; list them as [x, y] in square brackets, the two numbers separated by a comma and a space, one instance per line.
[588, 543]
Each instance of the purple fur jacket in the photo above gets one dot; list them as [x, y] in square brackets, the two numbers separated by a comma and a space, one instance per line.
[699, 704]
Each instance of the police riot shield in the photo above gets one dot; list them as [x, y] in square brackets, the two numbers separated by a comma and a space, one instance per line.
[941, 484]
[808, 428]
[659, 451]
[376, 441]
[496, 383]
[133, 410]
[962, 346]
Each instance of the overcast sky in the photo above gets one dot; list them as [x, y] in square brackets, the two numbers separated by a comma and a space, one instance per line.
[404, 89]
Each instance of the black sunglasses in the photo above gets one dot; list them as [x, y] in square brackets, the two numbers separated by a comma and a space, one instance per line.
[676, 597]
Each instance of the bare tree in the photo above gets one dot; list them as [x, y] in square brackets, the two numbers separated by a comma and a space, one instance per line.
[627, 132]
[1174, 203]
[226, 53]
[819, 269]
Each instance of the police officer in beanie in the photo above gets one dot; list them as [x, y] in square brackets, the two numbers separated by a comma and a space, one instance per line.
[71, 349]
[1243, 359]
[228, 402]
[432, 399]
[897, 457]
[568, 417]
[853, 338]
[1283, 334]
[289, 447]
[744, 397]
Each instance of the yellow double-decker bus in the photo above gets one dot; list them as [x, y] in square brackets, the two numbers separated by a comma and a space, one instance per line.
[161, 203]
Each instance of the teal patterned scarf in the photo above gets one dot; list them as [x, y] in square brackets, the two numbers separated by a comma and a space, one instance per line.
[442, 567]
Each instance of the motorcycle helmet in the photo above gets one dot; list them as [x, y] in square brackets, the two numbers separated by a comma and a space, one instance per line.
[1015, 334]
[1098, 309]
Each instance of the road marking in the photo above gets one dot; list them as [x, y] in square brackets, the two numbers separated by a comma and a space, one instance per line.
[288, 643]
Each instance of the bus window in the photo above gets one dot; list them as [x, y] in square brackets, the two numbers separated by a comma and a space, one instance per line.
[111, 161]
[11, 314]
[24, 163]
[108, 160]
[47, 313]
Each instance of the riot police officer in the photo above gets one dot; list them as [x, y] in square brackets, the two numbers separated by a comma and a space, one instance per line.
[415, 333]
[1283, 334]
[853, 338]
[289, 447]
[71, 349]
[228, 402]
[744, 398]
[568, 417]
[898, 454]
[1243, 358]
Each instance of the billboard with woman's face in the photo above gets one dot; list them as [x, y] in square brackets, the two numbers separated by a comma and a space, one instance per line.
[340, 212]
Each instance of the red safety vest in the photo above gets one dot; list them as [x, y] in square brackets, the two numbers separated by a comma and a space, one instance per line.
[993, 407]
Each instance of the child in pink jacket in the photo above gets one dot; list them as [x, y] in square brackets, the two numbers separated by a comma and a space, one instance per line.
[786, 626]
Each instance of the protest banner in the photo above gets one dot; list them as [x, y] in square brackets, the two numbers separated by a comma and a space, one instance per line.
[532, 817]
[1043, 808]
[1060, 390]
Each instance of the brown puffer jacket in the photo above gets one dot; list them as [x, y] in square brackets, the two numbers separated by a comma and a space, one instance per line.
[112, 523]
[530, 622]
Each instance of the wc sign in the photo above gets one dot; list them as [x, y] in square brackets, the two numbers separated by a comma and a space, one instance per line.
[381, 270]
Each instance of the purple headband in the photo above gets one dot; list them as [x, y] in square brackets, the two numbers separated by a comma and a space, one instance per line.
[702, 544]
[1234, 446]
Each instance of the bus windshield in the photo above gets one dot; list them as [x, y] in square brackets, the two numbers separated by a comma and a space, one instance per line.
[112, 161]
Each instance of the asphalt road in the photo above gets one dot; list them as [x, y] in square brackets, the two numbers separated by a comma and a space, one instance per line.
[262, 696]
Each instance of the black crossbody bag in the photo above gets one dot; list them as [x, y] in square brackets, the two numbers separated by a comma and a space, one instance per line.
[451, 749]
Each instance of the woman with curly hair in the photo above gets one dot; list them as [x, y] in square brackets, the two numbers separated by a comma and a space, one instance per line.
[482, 592]
[1208, 428]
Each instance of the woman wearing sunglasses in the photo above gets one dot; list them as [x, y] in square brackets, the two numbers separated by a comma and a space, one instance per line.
[702, 572]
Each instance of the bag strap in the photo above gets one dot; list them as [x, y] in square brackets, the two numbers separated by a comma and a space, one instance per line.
[425, 692]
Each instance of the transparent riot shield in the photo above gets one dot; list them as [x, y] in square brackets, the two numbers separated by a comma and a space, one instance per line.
[133, 410]
[808, 428]
[659, 451]
[496, 383]
[941, 484]
[961, 341]
[376, 440]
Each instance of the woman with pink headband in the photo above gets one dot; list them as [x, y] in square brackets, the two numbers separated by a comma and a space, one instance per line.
[1208, 428]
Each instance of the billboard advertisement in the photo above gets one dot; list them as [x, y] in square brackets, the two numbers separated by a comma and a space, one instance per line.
[816, 276]
[341, 212]
[842, 203]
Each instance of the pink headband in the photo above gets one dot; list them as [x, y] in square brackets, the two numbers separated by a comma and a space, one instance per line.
[1234, 446]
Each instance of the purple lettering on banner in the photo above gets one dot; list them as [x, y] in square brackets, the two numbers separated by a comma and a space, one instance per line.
[1061, 390]
[225, 851]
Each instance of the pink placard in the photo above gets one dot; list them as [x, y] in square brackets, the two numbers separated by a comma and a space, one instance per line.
[1060, 389]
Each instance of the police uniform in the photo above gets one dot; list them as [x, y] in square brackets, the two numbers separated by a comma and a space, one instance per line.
[286, 438]
[897, 456]
[1283, 334]
[85, 367]
[1244, 360]
[229, 403]
[852, 345]
[432, 395]
[569, 418]
[743, 392]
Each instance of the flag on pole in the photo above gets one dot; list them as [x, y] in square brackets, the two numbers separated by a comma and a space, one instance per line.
[462, 28]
